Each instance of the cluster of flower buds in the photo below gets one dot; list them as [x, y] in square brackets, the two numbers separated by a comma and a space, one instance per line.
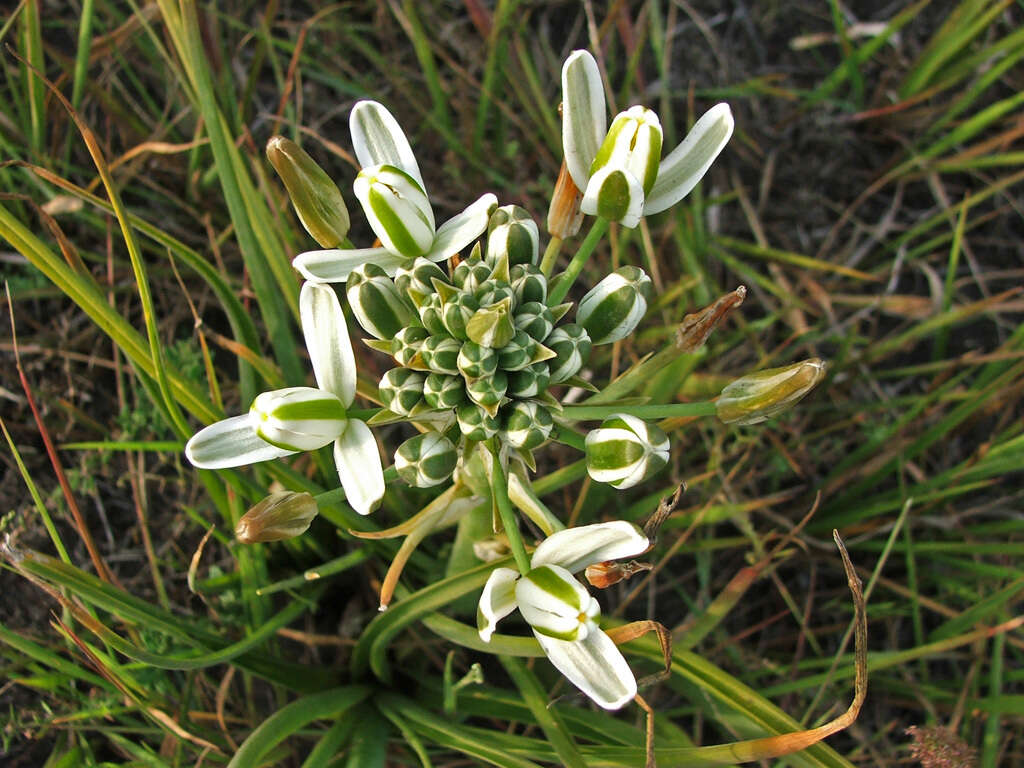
[482, 342]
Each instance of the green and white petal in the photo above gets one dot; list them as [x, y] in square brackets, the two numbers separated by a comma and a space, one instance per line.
[334, 265]
[462, 229]
[298, 418]
[614, 193]
[397, 210]
[230, 443]
[497, 601]
[326, 334]
[633, 144]
[575, 548]
[378, 139]
[358, 463]
[584, 116]
[684, 167]
[594, 665]
[554, 603]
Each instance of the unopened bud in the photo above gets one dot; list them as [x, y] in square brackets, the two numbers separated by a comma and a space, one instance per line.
[758, 396]
[613, 308]
[316, 198]
[512, 231]
[426, 460]
[625, 451]
[282, 515]
[376, 303]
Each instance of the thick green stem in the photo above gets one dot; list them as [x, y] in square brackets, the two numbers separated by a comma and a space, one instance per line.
[567, 278]
[670, 411]
[499, 487]
[547, 263]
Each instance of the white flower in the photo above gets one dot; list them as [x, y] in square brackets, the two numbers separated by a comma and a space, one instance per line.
[297, 419]
[618, 169]
[391, 191]
[562, 613]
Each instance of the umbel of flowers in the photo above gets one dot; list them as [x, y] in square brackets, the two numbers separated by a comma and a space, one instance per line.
[484, 344]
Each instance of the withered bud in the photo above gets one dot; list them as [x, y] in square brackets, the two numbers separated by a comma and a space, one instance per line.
[315, 196]
[758, 396]
[695, 329]
[282, 515]
[491, 549]
[603, 575]
[564, 215]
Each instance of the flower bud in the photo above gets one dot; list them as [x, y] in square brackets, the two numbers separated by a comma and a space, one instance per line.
[511, 230]
[528, 284]
[613, 308]
[470, 275]
[397, 209]
[495, 292]
[527, 424]
[758, 396]
[441, 354]
[442, 391]
[431, 312]
[571, 345]
[625, 451]
[532, 381]
[401, 390]
[535, 319]
[488, 391]
[419, 277]
[376, 302]
[518, 353]
[282, 515]
[426, 460]
[491, 326]
[315, 197]
[476, 360]
[604, 575]
[298, 418]
[475, 423]
[555, 604]
[406, 345]
[457, 312]
[564, 214]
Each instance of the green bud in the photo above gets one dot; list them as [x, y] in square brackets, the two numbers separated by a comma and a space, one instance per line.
[491, 326]
[527, 424]
[401, 390]
[495, 292]
[475, 423]
[535, 319]
[571, 345]
[281, 515]
[488, 391]
[426, 460]
[442, 391]
[470, 275]
[298, 418]
[518, 353]
[457, 312]
[315, 197]
[758, 396]
[625, 451]
[531, 381]
[418, 277]
[529, 284]
[441, 354]
[512, 231]
[376, 302]
[613, 308]
[476, 360]
[406, 345]
[431, 311]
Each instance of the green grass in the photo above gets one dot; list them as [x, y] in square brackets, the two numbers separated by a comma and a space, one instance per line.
[871, 203]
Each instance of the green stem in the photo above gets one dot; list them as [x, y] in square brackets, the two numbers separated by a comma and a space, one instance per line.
[567, 278]
[547, 263]
[670, 411]
[499, 487]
